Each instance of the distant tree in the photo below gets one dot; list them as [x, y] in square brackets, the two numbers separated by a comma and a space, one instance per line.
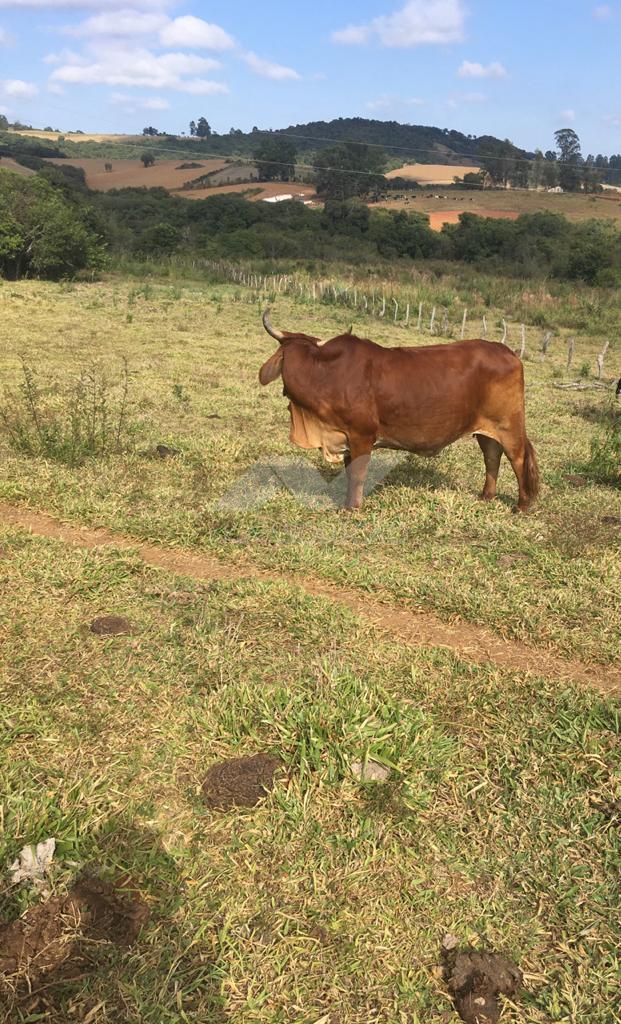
[150, 131]
[108, 167]
[537, 170]
[4, 123]
[275, 158]
[471, 179]
[349, 170]
[148, 159]
[499, 159]
[570, 159]
[192, 127]
[203, 128]
[48, 128]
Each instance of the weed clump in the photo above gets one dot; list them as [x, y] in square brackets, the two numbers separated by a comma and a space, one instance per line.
[604, 465]
[88, 417]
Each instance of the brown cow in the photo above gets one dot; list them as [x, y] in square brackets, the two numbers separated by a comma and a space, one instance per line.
[349, 396]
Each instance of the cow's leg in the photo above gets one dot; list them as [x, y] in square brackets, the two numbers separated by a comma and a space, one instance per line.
[516, 453]
[492, 454]
[356, 466]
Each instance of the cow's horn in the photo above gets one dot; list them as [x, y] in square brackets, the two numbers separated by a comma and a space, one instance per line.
[272, 330]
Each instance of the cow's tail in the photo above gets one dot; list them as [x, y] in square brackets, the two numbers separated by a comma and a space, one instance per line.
[532, 480]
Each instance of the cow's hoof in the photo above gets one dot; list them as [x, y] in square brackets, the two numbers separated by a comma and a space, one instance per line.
[521, 509]
[486, 497]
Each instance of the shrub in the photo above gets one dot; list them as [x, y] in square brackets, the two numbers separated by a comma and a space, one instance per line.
[88, 417]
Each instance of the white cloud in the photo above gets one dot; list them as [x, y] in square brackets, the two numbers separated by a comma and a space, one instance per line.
[122, 24]
[266, 69]
[613, 119]
[196, 33]
[568, 115]
[604, 12]
[110, 65]
[140, 103]
[475, 97]
[418, 22]
[471, 69]
[5, 37]
[18, 90]
[353, 35]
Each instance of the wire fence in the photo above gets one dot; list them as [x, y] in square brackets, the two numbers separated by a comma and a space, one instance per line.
[401, 309]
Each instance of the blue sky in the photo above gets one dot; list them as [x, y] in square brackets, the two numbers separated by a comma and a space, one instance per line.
[513, 69]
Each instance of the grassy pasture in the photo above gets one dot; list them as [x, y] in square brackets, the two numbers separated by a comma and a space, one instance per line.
[328, 901]
[574, 206]
[423, 539]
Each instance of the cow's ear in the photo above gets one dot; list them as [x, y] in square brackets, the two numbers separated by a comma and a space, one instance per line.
[272, 368]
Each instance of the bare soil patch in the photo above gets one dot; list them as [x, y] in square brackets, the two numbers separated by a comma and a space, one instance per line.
[476, 979]
[417, 629]
[132, 174]
[240, 781]
[12, 165]
[439, 219]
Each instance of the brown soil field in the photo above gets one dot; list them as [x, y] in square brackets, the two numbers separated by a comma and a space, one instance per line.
[576, 207]
[438, 219]
[12, 165]
[132, 173]
[260, 190]
[432, 174]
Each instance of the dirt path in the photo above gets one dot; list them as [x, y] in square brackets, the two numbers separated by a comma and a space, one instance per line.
[416, 629]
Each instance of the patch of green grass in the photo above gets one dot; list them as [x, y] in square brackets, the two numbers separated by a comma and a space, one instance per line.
[331, 897]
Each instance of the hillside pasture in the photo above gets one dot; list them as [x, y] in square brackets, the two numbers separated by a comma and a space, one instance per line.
[432, 174]
[574, 206]
[326, 901]
[254, 190]
[12, 165]
[133, 174]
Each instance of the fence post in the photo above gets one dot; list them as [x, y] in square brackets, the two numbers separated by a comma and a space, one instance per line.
[523, 345]
[383, 309]
[420, 316]
[545, 344]
[485, 327]
[433, 320]
[407, 315]
[570, 352]
[504, 332]
[600, 361]
[463, 323]
[396, 310]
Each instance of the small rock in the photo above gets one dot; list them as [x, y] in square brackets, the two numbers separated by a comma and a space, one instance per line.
[110, 625]
[369, 771]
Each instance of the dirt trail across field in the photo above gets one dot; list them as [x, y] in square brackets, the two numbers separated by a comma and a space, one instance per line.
[415, 629]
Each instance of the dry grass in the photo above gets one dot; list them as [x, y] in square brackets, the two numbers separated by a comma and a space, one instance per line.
[423, 539]
[573, 206]
[432, 174]
[255, 190]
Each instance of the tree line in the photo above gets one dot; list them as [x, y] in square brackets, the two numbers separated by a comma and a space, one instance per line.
[52, 226]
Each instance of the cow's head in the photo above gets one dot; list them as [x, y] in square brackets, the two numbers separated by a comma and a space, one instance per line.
[272, 368]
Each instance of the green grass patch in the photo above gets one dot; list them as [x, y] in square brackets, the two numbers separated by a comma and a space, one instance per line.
[331, 897]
